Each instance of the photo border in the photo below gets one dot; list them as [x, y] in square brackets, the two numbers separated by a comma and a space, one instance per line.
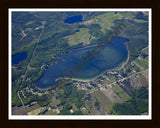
[82, 117]
[153, 4]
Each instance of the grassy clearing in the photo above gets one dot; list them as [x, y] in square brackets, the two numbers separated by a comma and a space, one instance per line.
[34, 107]
[147, 59]
[139, 21]
[50, 112]
[92, 21]
[55, 103]
[112, 96]
[79, 37]
[120, 92]
[145, 73]
[84, 110]
[34, 112]
[142, 63]
[145, 51]
[125, 14]
[90, 106]
[106, 103]
[107, 19]
[142, 80]
[74, 108]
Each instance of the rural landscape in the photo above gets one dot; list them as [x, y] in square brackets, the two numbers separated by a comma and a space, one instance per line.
[47, 45]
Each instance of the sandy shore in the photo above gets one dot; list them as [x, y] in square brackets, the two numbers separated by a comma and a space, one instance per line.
[123, 63]
[83, 80]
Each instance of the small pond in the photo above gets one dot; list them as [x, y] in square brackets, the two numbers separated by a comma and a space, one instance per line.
[74, 19]
[19, 57]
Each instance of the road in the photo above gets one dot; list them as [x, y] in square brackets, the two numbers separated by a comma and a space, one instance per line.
[27, 67]
[20, 98]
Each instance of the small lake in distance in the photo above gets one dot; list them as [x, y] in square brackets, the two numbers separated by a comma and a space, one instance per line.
[74, 19]
[19, 57]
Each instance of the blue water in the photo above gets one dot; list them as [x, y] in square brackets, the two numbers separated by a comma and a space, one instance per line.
[19, 57]
[73, 19]
[111, 56]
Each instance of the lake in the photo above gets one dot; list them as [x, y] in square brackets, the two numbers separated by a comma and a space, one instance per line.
[74, 19]
[110, 57]
[19, 57]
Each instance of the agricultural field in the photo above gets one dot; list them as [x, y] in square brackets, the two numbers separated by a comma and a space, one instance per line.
[105, 101]
[120, 92]
[82, 36]
[37, 106]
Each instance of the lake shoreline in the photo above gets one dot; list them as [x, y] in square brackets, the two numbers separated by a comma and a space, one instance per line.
[117, 68]
[114, 66]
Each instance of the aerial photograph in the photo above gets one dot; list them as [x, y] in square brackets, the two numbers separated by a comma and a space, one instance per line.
[79, 63]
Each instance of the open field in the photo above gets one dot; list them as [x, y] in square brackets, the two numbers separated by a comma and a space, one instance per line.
[110, 94]
[120, 92]
[79, 37]
[50, 112]
[142, 63]
[106, 19]
[145, 74]
[34, 112]
[90, 106]
[106, 103]
[29, 109]
[54, 103]
[91, 109]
